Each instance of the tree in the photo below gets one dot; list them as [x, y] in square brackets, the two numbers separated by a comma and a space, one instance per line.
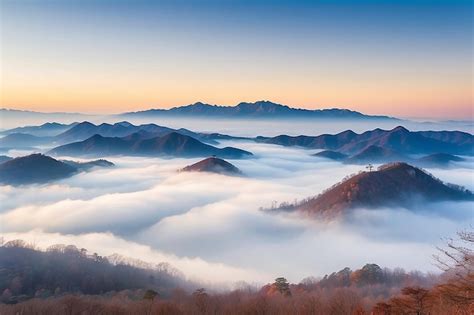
[201, 299]
[150, 295]
[282, 286]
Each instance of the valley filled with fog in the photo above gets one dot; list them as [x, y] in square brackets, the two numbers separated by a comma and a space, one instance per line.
[211, 226]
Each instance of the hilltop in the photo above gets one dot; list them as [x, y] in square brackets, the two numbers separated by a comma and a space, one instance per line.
[396, 184]
[213, 165]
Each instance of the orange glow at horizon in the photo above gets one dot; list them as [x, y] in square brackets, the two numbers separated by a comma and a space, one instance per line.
[401, 100]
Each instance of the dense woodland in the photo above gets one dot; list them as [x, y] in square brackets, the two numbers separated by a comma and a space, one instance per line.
[68, 280]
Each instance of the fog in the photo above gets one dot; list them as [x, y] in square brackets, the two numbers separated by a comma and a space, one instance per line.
[210, 227]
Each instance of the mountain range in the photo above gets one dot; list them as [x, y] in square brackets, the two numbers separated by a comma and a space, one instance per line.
[399, 140]
[375, 154]
[259, 109]
[395, 184]
[139, 144]
[39, 168]
[27, 136]
[49, 129]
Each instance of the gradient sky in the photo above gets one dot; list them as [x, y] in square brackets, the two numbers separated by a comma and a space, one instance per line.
[402, 58]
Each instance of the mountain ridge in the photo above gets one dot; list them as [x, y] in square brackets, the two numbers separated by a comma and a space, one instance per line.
[171, 144]
[260, 109]
[398, 139]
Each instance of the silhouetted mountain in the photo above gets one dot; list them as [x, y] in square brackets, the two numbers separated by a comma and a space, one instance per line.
[456, 137]
[398, 139]
[375, 154]
[332, 155]
[213, 165]
[171, 144]
[330, 142]
[39, 168]
[44, 130]
[438, 160]
[396, 184]
[34, 168]
[22, 140]
[260, 109]
[85, 130]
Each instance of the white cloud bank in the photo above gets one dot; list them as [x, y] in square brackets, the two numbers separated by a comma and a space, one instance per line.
[209, 226]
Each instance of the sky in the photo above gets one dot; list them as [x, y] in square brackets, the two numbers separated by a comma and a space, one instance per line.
[400, 58]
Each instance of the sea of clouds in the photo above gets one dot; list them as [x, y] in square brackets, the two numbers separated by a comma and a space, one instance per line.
[210, 227]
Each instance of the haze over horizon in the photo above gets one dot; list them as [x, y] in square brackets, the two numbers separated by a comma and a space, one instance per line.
[406, 59]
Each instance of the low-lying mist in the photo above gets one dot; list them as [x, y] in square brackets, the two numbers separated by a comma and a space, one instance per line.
[210, 227]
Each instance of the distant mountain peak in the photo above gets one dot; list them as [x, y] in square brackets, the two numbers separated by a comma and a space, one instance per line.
[261, 109]
[400, 129]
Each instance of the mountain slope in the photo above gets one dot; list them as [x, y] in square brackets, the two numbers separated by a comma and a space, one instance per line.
[34, 168]
[171, 144]
[22, 140]
[4, 158]
[44, 130]
[213, 165]
[397, 184]
[39, 168]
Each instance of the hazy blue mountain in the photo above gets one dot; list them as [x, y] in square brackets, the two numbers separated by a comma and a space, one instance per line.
[332, 155]
[259, 109]
[396, 184]
[438, 160]
[49, 129]
[39, 168]
[171, 144]
[23, 140]
[34, 168]
[213, 165]
[85, 130]
[376, 154]
[86, 166]
[4, 158]
[399, 140]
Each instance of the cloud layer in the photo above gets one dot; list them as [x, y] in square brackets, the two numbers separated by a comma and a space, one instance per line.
[210, 227]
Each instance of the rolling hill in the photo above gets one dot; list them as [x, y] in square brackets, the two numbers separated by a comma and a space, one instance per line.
[396, 184]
